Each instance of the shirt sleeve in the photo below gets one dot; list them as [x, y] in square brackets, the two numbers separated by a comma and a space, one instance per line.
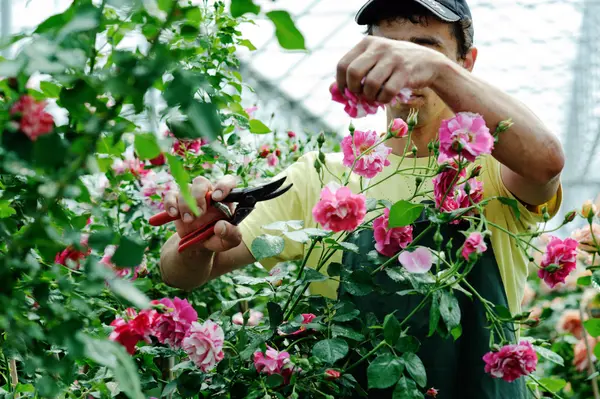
[494, 186]
[289, 206]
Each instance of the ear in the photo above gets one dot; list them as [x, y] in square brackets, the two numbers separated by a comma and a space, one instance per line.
[469, 61]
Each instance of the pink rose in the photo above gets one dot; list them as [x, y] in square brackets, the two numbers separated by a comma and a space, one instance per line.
[558, 261]
[432, 392]
[72, 257]
[399, 128]
[475, 193]
[181, 147]
[570, 322]
[251, 110]
[389, 241]
[159, 160]
[34, 120]
[358, 107]
[331, 374]
[253, 320]
[129, 333]
[172, 326]
[444, 184]
[475, 243]
[367, 161]
[339, 209]
[511, 361]
[418, 261]
[274, 362]
[587, 238]
[272, 160]
[135, 166]
[306, 319]
[466, 134]
[204, 344]
[580, 359]
[291, 134]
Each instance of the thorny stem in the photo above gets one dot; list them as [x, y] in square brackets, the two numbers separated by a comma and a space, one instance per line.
[362, 359]
[302, 267]
[544, 387]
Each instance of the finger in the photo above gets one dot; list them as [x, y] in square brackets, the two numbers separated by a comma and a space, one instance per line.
[170, 202]
[199, 188]
[344, 63]
[187, 216]
[392, 87]
[376, 78]
[224, 186]
[226, 236]
[358, 70]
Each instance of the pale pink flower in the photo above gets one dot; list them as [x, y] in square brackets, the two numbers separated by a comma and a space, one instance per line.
[475, 243]
[172, 326]
[528, 295]
[589, 208]
[204, 344]
[559, 260]
[274, 362]
[34, 120]
[359, 152]
[467, 135]
[570, 322]
[587, 238]
[580, 359]
[155, 184]
[388, 241]
[399, 128]
[135, 166]
[339, 209]
[253, 320]
[418, 261]
[511, 361]
[272, 160]
[251, 110]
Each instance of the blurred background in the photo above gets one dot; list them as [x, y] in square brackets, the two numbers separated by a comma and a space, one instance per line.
[544, 52]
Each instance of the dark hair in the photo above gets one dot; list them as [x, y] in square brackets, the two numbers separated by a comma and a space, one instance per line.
[417, 14]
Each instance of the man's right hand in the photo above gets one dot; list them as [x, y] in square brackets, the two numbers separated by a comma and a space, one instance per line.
[226, 235]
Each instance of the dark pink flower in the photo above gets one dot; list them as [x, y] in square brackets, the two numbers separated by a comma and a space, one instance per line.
[511, 361]
[129, 333]
[360, 154]
[181, 147]
[172, 326]
[34, 120]
[306, 319]
[444, 184]
[399, 128]
[204, 344]
[559, 260]
[274, 362]
[432, 392]
[159, 160]
[339, 209]
[331, 374]
[72, 257]
[466, 135]
[475, 243]
[291, 134]
[388, 241]
[264, 151]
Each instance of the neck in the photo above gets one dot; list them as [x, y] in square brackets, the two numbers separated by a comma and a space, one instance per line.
[422, 135]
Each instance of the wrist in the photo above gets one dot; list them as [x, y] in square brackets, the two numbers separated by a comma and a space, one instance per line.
[445, 73]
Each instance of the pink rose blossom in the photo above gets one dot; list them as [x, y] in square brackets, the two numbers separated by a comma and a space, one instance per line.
[291, 134]
[587, 238]
[475, 193]
[72, 257]
[135, 166]
[511, 361]
[331, 374]
[253, 320]
[339, 209]
[367, 161]
[159, 160]
[156, 184]
[264, 151]
[272, 160]
[129, 333]
[559, 260]
[358, 107]
[475, 243]
[570, 322]
[251, 110]
[432, 392]
[580, 358]
[388, 241]
[172, 326]
[399, 128]
[418, 261]
[467, 135]
[306, 319]
[204, 344]
[274, 362]
[34, 120]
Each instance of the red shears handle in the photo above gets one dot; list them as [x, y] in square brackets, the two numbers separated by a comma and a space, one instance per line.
[164, 218]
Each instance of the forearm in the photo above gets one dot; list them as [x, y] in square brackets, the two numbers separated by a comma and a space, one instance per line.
[185, 270]
[528, 149]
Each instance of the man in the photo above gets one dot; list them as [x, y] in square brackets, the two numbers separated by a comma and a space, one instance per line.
[427, 46]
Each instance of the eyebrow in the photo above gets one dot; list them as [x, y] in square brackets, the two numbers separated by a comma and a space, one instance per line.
[427, 40]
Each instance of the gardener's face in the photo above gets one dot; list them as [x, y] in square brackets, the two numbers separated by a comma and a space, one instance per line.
[438, 36]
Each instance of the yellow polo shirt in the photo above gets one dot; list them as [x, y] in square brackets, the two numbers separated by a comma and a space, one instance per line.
[298, 204]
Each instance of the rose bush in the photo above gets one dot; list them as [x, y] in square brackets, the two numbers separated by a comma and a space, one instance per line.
[84, 312]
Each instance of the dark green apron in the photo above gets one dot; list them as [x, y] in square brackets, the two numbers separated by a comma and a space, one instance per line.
[454, 367]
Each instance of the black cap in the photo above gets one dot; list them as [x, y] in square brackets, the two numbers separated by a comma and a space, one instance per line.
[446, 10]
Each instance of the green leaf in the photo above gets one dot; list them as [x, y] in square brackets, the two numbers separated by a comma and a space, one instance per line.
[146, 146]
[241, 7]
[592, 326]
[513, 204]
[406, 389]
[503, 312]
[170, 388]
[283, 226]
[404, 213]
[592, 376]
[549, 355]
[275, 315]
[553, 384]
[408, 343]
[257, 127]
[384, 371]
[311, 275]
[126, 290]
[415, 367]
[267, 246]
[6, 210]
[275, 380]
[597, 350]
[204, 117]
[596, 279]
[449, 310]
[113, 355]
[334, 269]
[183, 179]
[359, 283]
[288, 35]
[130, 252]
[247, 43]
[584, 281]
[391, 329]
[341, 331]
[83, 21]
[50, 90]
[101, 239]
[330, 350]
[434, 314]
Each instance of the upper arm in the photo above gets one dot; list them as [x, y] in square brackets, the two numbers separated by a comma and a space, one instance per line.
[529, 192]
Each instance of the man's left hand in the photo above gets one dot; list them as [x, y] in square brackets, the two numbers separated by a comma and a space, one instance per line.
[387, 66]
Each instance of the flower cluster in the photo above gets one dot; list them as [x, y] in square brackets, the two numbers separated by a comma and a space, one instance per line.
[274, 362]
[34, 121]
[511, 361]
[363, 152]
[559, 260]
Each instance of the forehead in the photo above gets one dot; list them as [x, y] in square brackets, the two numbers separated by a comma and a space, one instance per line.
[426, 28]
